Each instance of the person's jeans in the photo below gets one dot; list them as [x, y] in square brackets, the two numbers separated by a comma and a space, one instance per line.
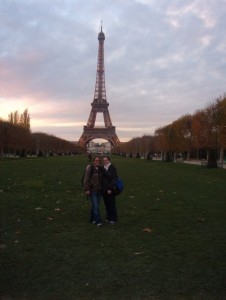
[95, 198]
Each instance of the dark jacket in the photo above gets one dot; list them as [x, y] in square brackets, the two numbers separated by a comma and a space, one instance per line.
[109, 178]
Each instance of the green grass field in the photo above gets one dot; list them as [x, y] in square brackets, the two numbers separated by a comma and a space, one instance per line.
[169, 243]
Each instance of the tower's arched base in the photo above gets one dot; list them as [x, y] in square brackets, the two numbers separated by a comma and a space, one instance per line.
[106, 133]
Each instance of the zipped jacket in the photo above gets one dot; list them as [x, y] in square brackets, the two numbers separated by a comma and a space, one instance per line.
[109, 178]
[92, 179]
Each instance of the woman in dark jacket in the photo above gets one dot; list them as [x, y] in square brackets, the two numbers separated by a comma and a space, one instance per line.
[109, 177]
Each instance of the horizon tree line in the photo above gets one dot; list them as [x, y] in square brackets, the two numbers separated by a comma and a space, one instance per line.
[17, 139]
[201, 135]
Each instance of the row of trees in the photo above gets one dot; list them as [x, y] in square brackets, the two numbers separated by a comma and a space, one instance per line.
[49, 145]
[200, 136]
[17, 139]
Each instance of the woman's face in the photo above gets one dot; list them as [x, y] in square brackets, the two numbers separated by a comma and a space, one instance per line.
[96, 161]
[105, 161]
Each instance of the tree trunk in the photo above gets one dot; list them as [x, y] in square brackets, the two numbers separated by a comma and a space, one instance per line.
[221, 159]
[212, 159]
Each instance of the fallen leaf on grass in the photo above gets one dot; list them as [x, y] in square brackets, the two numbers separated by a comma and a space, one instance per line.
[138, 253]
[50, 219]
[57, 209]
[201, 220]
[147, 229]
[38, 208]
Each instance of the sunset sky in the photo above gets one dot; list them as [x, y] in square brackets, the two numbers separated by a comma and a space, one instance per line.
[163, 59]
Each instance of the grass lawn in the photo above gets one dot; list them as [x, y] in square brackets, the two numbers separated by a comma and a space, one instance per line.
[169, 243]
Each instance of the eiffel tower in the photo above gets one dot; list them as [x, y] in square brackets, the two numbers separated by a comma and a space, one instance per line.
[99, 105]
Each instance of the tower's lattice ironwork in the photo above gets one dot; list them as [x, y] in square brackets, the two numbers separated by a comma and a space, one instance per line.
[99, 105]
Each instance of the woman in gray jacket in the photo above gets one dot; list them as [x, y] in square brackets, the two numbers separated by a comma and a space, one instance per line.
[92, 186]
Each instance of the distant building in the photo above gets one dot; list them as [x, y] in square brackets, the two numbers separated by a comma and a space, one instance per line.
[93, 147]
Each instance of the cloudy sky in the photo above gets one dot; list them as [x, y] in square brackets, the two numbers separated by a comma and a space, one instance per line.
[163, 59]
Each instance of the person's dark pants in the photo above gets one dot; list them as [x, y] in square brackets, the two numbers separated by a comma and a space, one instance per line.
[110, 205]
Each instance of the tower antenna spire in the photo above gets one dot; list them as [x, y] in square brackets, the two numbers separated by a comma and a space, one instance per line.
[101, 22]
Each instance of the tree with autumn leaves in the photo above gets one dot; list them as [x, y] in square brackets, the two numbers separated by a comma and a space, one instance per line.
[198, 136]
